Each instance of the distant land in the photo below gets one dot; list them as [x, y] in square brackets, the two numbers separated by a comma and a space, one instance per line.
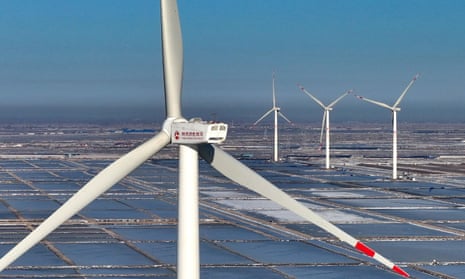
[301, 113]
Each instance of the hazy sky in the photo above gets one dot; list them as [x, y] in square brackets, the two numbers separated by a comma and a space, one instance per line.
[107, 53]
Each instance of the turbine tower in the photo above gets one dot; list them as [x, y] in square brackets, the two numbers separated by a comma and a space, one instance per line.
[195, 138]
[277, 111]
[394, 108]
[326, 110]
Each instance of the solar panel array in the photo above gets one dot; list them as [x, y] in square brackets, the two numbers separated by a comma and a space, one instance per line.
[130, 232]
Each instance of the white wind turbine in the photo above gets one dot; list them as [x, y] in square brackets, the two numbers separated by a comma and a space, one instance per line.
[277, 111]
[325, 120]
[174, 129]
[394, 108]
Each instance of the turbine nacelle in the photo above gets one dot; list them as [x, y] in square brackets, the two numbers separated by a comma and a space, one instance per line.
[197, 131]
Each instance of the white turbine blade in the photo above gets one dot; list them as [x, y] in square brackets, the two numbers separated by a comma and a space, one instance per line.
[374, 102]
[323, 127]
[284, 117]
[274, 94]
[311, 96]
[241, 174]
[405, 91]
[339, 98]
[89, 192]
[172, 57]
[263, 116]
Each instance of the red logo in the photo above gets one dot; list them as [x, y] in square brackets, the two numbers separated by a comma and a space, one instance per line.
[176, 135]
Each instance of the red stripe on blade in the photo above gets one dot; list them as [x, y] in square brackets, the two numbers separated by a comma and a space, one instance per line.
[400, 271]
[365, 249]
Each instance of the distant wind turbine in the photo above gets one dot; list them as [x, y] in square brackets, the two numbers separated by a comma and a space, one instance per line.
[277, 111]
[194, 138]
[394, 108]
[325, 120]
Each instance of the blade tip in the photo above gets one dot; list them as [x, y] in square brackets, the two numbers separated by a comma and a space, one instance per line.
[400, 271]
[371, 253]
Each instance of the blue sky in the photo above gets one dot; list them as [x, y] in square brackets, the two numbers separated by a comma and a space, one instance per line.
[106, 53]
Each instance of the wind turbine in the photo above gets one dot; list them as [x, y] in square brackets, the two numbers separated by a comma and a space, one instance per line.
[325, 120]
[277, 111]
[177, 130]
[394, 108]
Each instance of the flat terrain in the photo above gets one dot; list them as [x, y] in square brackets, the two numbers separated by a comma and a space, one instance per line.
[130, 232]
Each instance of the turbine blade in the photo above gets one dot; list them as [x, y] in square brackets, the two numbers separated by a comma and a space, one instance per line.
[274, 94]
[339, 98]
[284, 117]
[323, 127]
[311, 96]
[241, 174]
[374, 102]
[172, 57]
[405, 91]
[263, 116]
[89, 192]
